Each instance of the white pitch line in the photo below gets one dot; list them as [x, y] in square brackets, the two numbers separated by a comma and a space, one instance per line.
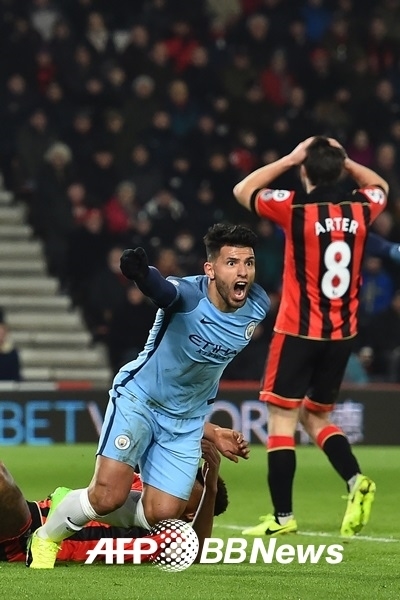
[364, 538]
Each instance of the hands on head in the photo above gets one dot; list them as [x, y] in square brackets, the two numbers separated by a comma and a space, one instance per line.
[299, 154]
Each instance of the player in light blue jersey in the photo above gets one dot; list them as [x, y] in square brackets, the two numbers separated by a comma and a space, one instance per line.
[159, 402]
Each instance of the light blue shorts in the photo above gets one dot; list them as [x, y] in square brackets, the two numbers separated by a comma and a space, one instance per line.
[166, 449]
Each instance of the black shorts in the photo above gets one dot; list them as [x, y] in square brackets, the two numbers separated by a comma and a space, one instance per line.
[304, 370]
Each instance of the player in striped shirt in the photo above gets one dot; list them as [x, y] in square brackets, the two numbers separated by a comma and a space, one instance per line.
[326, 232]
[20, 517]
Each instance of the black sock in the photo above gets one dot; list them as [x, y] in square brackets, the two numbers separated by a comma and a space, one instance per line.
[338, 450]
[281, 470]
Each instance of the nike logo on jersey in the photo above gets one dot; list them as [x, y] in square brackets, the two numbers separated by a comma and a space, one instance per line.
[206, 322]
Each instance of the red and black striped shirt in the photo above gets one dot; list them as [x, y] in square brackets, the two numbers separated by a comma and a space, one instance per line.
[77, 546]
[325, 234]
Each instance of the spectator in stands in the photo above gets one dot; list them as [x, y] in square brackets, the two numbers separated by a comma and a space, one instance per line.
[88, 244]
[51, 210]
[121, 212]
[257, 38]
[45, 70]
[382, 109]
[101, 175]
[98, 37]
[105, 295]
[160, 67]
[182, 107]
[204, 211]
[129, 327]
[376, 290]
[386, 166]
[134, 56]
[20, 47]
[201, 76]
[141, 105]
[167, 262]
[188, 255]
[43, 15]
[298, 48]
[238, 74]
[80, 138]
[269, 254]
[57, 107]
[62, 44]
[205, 135]
[159, 138]
[360, 148]
[317, 18]
[34, 138]
[222, 177]
[79, 200]
[146, 174]
[383, 336]
[16, 103]
[355, 371]
[166, 213]
[276, 80]
[181, 42]
[299, 116]
[81, 70]
[114, 136]
[116, 86]
[10, 368]
[180, 178]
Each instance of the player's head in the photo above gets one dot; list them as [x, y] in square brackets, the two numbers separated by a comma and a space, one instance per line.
[221, 499]
[324, 163]
[230, 264]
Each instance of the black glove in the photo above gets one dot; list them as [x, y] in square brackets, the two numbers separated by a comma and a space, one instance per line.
[134, 264]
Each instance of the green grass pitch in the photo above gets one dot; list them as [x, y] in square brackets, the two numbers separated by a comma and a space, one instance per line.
[370, 568]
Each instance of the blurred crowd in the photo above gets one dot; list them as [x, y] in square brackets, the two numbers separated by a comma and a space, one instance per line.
[129, 123]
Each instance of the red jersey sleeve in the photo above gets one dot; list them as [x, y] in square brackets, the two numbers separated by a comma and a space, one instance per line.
[274, 205]
[377, 199]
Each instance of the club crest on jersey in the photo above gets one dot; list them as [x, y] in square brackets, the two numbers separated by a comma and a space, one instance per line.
[376, 195]
[250, 330]
[122, 442]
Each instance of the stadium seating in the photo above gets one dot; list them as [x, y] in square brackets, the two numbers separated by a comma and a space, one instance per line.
[51, 336]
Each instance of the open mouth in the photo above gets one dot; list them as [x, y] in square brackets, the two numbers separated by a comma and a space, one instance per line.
[239, 290]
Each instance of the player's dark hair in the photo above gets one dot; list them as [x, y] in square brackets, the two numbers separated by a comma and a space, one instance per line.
[226, 234]
[221, 499]
[324, 163]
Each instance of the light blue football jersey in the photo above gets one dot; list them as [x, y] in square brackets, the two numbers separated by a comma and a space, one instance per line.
[188, 348]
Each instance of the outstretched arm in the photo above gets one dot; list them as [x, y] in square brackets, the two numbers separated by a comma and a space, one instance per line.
[378, 246]
[135, 266]
[204, 517]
